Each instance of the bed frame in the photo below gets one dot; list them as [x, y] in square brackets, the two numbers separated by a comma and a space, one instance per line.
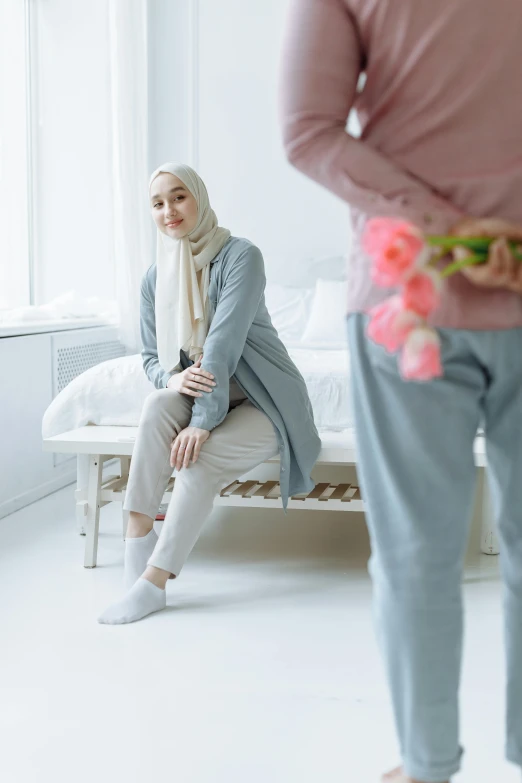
[96, 445]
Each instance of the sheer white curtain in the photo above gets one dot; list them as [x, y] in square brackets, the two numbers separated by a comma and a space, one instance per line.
[129, 99]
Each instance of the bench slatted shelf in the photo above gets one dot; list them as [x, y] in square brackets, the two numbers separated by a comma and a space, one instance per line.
[95, 445]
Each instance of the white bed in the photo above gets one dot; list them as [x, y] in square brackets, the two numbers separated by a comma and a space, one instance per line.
[113, 393]
[97, 414]
[311, 323]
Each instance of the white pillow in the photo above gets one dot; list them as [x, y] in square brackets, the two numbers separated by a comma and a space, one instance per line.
[110, 393]
[289, 310]
[327, 322]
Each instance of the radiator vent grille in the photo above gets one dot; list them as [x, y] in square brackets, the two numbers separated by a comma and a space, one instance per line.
[74, 352]
[75, 359]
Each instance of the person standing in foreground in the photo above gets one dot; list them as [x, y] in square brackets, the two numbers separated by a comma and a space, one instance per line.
[441, 118]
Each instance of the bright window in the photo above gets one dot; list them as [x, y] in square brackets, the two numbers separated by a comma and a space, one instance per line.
[14, 146]
[56, 234]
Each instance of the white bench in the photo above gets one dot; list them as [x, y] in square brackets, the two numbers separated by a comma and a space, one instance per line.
[96, 445]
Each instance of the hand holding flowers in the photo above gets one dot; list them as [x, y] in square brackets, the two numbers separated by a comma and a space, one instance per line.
[487, 251]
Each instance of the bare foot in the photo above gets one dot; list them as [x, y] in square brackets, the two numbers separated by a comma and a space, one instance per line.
[398, 776]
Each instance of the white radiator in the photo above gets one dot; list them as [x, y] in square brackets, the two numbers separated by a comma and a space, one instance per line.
[77, 351]
[74, 353]
[37, 368]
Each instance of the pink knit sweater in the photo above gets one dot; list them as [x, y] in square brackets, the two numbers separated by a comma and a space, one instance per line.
[441, 117]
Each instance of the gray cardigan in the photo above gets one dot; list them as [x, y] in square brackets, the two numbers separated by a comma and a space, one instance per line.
[243, 344]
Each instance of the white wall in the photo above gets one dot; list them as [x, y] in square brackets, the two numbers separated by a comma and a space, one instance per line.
[170, 81]
[239, 153]
[73, 202]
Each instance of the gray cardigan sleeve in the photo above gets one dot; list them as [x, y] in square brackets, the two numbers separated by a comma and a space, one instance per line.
[153, 369]
[236, 310]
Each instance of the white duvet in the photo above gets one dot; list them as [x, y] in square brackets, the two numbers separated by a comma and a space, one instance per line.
[113, 392]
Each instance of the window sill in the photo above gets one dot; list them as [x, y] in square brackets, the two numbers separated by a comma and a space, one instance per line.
[24, 328]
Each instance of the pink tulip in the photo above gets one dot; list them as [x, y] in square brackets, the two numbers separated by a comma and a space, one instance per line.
[395, 246]
[420, 359]
[390, 323]
[422, 292]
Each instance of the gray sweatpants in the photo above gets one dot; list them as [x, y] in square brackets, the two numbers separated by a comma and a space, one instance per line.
[417, 474]
[245, 439]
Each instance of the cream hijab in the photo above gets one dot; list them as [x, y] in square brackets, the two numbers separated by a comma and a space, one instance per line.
[183, 275]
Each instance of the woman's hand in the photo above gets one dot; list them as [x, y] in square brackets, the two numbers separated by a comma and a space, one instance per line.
[186, 447]
[502, 269]
[192, 381]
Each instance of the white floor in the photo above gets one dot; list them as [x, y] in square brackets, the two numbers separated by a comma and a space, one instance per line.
[263, 669]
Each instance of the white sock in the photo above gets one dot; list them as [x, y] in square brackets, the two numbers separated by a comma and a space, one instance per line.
[137, 553]
[142, 599]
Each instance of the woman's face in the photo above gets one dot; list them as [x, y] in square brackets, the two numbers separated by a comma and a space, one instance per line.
[174, 208]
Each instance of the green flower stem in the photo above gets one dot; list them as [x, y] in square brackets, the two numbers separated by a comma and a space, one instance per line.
[458, 265]
[434, 260]
[473, 243]
[479, 244]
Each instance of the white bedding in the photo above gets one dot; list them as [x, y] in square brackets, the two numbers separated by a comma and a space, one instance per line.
[113, 392]
[310, 321]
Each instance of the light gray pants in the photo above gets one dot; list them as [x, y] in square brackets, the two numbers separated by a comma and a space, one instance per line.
[417, 474]
[245, 439]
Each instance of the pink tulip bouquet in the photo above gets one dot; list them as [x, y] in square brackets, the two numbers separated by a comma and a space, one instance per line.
[407, 260]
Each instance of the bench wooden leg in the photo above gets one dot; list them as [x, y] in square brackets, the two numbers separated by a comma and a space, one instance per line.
[82, 482]
[92, 520]
[489, 541]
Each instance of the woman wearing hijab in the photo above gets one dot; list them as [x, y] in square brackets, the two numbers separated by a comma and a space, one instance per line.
[228, 397]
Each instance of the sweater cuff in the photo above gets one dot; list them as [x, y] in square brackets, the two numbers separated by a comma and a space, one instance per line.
[437, 222]
[202, 423]
[168, 375]
[432, 215]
